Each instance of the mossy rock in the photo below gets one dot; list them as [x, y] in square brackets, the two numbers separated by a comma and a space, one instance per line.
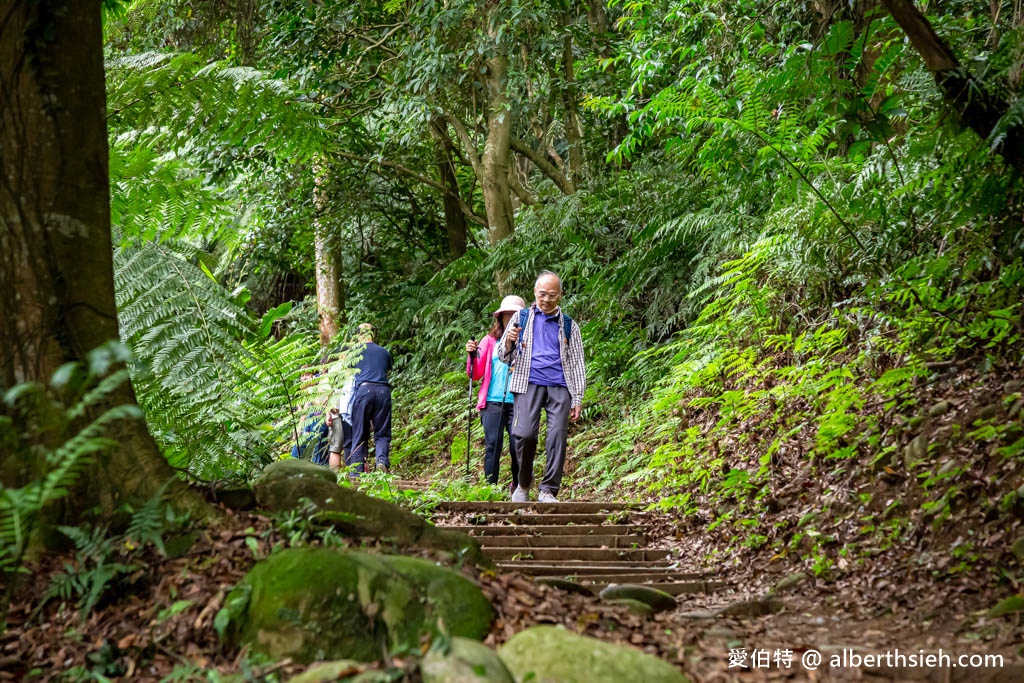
[658, 601]
[284, 483]
[314, 604]
[549, 654]
[328, 672]
[291, 468]
[635, 606]
[466, 661]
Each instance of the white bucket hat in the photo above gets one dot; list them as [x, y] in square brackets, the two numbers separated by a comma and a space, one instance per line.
[510, 304]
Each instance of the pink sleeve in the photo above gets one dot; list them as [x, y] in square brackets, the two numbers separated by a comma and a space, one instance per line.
[475, 365]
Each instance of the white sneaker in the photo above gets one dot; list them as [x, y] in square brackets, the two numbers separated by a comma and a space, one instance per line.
[520, 495]
[545, 497]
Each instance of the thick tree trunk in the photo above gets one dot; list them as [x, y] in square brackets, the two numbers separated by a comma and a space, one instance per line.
[56, 265]
[495, 159]
[979, 108]
[330, 288]
[454, 218]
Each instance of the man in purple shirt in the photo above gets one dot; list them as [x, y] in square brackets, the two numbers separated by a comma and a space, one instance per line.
[548, 373]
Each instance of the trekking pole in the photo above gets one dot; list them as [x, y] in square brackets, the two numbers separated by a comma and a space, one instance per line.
[469, 415]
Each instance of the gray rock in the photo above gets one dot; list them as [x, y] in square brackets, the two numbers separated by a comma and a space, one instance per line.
[657, 600]
[548, 654]
[790, 581]
[1013, 386]
[938, 409]
[1018, 550]
[313, 604]
[990, 411]
[915, 451]
[466, 661]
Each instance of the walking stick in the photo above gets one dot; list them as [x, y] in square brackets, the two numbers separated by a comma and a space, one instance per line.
[469, 415]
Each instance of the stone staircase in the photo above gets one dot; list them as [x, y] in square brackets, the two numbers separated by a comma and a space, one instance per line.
[572, 545]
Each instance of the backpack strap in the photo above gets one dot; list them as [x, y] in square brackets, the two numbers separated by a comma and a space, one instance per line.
[524, 313]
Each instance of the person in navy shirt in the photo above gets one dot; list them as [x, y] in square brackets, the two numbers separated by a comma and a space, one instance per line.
[371, 405]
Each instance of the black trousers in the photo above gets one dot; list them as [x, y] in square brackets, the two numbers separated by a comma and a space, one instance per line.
[497, 420]
[371, 406]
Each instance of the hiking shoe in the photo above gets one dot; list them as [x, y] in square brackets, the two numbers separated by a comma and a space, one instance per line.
[520, 495]
[546, 497]
[381, 467]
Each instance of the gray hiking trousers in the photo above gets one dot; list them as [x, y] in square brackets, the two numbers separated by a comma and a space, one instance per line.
[526, 427]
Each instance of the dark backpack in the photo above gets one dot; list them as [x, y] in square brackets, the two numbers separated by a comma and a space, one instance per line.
[524, 313]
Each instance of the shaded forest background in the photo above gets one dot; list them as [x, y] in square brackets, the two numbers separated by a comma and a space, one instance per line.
[777, 233]
[792, 238]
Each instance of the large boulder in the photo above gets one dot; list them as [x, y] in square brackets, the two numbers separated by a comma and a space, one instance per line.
[549, 654]
[285, 483]
[312, 604]
[466, 661]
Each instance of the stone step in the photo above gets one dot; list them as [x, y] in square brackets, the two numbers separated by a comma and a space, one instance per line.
[587, 554]
[484, 531]
[610, 541]
[505, 506]
[582, 568]
[606, 576]
[528, 518]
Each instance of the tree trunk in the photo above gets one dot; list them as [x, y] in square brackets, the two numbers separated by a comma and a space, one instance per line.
[330, 289]
[573, 128]
[495, 158]
[454, 218]
[56, 265]
[979, 108]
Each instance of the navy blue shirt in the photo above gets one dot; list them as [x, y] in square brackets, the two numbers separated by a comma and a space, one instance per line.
[373, 365]
[546, 363]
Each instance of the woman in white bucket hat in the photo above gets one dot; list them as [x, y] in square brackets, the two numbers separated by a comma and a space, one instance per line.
[494, 401]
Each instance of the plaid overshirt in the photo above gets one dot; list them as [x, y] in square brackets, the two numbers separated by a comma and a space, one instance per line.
[522, 353]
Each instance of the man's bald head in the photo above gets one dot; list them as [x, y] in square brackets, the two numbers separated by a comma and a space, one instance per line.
[548, 291]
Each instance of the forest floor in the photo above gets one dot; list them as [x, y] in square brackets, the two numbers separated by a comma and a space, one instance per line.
[158, 623]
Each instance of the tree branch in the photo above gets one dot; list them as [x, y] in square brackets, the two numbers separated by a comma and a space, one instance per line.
[524, 195]
[545, 166]
[404, 170]
[467, 143]
[979, 108]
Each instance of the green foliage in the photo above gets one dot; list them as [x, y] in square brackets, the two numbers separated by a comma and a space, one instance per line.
[102, 559]
[783, 242]
[53, 434]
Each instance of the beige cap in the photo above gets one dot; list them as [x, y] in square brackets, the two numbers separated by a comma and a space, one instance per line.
[510, 304]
